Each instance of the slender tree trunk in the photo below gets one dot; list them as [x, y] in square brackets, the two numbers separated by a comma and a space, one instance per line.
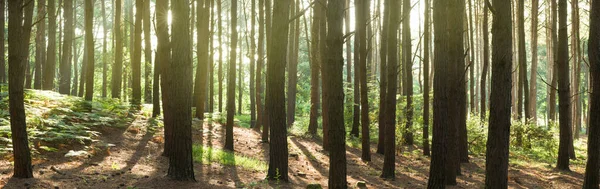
[240, 82]
[75, 87]
[19, 28]
[315, 69]
[203, 18]
[231, 79]
[554, 82]
[220, 73]
[147, 53]
[65, 64]
[163, 53]
[426, 90]
[486, 62]
[89, 48]
[534, 61]
[259, 69]
[523, 84]
[2, 43]
[275, 99]
[471, 63]
[333, 90]
[158, 65]
[252, 65]
[383, 79]
[591, 169]
[40, 44]
[563, 89]
[357, 69]
[365, 12]
[293, 65]
[50, 64]
[389, 161]
[136, 63]
[497, 147]
[407, 63]
[323, 58]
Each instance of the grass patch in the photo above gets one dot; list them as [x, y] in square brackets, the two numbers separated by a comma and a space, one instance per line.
[208, 155]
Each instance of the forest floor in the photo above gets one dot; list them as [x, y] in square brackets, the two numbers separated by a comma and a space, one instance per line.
[131, 158]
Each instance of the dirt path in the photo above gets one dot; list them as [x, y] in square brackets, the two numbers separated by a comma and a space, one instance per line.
[135, 162]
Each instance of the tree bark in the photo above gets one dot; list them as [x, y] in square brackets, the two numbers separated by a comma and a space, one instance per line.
[179, 82]
[333, 90]
[357, 69]
[449, 98]
[407, 63]
[383, 79]
[563, 89]
[50, 64]
[19, 28]
[534, 61]
[147, 53]
[231, 79]
[275, 99]
[486, 62]
[104, 58]
[40, 44]
[136, 63]
[89, 48]
[591, 169]
[259, 68]
[203, 18]
[554, 82]
[2, 43]
[315, 69]
[220, 72]
[427, 33]
[293, 65]
[389, 160]
[252, 65]
[500, 99]
[163, 53]
[365, 12]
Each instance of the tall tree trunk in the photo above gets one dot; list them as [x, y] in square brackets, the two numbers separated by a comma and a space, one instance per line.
[231, 79]
[576, 57]
[158, 63]
[471, 63]
[323, 58]
[40, 44]
[333, 90]
[75, 87]
[104, 58]
[315, 69]
[591, 169]
[179, 82]
[50, 64]
[220, 73]
[389, 161]
[293, 65]
[65, 64]
[89, 48]
[364, 18]
[497, 147]
[136, 63]
[240, 82]
[252, 65]
[554, 82]
[259, 69]
[486, 62]
[203, 18]
[383, 79]
[147, 53]
[563, 89]
[426, 90]
[19, 28]
[163, 53]
[2, 43]
[534, 61]
[407, 63]
[356, 89]
[266, 122]
[275, 99]
[448, 19]
[523, 84]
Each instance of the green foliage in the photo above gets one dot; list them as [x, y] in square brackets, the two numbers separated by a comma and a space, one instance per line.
[58, 119]
[477, 132]
[208, 155]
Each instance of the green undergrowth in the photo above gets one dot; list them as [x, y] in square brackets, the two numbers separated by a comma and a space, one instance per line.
[54, 119]
[208, 155]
